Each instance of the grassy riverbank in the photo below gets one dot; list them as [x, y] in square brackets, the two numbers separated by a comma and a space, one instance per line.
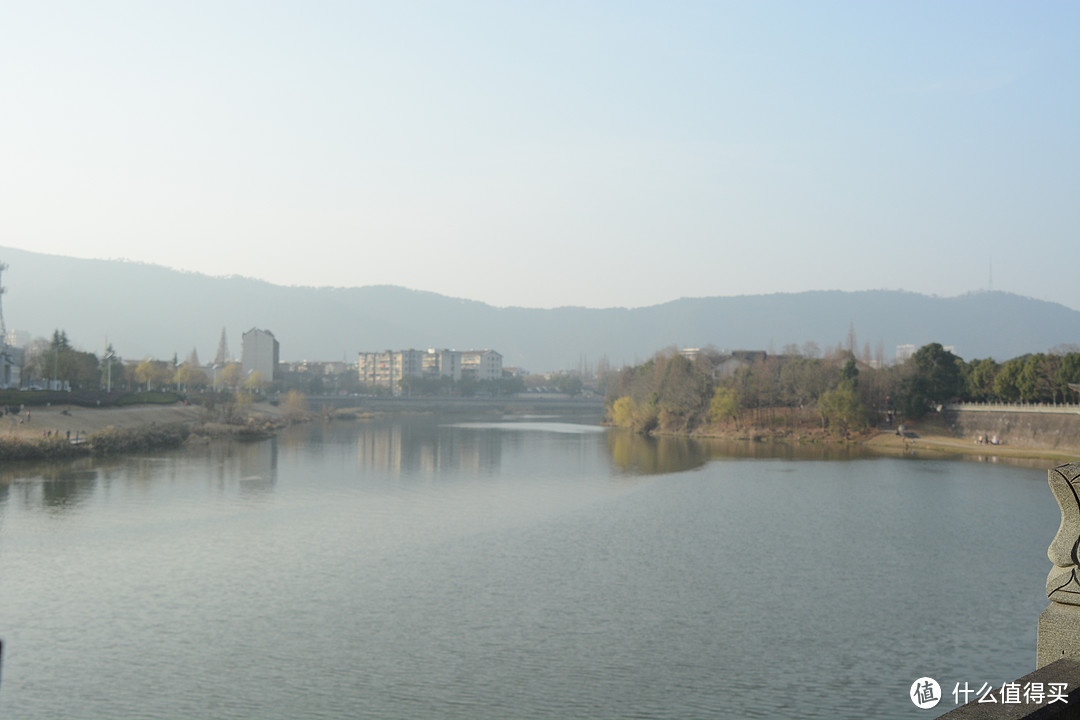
[930, 437]
[61, 431]
[940, 444]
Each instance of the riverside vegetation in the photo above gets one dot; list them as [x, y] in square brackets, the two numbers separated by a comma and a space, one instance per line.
[798, 395]
[214, 416]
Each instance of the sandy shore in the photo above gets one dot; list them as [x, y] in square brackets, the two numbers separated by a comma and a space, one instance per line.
[60, 419]
[944, 444]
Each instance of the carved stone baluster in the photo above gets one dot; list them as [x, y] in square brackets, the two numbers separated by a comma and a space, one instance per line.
[1059, 625]
[1062, 584]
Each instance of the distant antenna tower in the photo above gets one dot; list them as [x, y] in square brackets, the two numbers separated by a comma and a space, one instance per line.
[991, 285]
[3, 329]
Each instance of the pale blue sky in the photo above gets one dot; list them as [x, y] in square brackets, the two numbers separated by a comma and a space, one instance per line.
[552, 153]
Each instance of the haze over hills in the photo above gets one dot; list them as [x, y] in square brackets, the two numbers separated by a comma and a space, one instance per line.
[151, 311]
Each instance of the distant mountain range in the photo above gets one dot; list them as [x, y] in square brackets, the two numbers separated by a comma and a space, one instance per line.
[151, 311]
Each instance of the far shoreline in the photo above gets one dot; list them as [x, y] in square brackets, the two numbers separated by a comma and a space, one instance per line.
[68, 431]
[930, 441]
[48, 432]
[60, 432]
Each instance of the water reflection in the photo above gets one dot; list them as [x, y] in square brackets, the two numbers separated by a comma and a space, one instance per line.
[642, 454]
[60, 488]
[758, 450]
[646, 455]
[425, 448]
[68, 492]
[258, 466]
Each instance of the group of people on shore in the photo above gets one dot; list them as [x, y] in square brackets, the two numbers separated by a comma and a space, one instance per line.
[47, 434]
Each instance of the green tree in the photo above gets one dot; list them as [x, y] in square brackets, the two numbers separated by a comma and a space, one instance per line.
[724, 405]
[295, 405]
[56, 359]
[190, 376]
[1033, 381]
[231, 376]
[1068, 372]
[255, 383]
[934, 377]
[153, 373]
[623, 411]
[59, 341]
[82, 370]
[682, 391]
[568, 384]
[979, 379]
[627, 413]
[1007, 381]
[850, 372]
[841, 408]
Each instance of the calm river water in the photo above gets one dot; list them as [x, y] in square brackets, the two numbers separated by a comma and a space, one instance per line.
[528, 567]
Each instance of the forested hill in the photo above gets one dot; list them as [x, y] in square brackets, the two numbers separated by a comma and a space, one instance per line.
[146, 310]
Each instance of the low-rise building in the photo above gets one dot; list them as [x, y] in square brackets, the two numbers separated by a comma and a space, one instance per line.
[727, 364]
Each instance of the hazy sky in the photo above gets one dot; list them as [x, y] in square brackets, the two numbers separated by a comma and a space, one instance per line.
[552, 153]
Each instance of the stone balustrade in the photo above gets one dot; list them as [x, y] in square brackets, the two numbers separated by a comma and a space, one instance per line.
[1057, 658]
[1048, 408]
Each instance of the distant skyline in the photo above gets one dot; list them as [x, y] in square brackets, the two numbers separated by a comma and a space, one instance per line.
[598, 154]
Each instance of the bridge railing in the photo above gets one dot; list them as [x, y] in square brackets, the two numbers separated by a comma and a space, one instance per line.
[1048, 408]
[1057, 655]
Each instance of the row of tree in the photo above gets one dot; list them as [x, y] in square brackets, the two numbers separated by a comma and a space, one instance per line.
[56, 360]
[671, 392]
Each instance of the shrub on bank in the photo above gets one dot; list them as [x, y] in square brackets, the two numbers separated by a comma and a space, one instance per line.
[153, 397]
[54, 448]
[112, 441]
[32, 398]
[85, 398]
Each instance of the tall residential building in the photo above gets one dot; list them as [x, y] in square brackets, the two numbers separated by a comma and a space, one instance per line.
[260, 351]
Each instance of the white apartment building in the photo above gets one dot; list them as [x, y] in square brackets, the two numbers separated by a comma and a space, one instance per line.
[387, 368]
[481, 364]
[260, 352]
